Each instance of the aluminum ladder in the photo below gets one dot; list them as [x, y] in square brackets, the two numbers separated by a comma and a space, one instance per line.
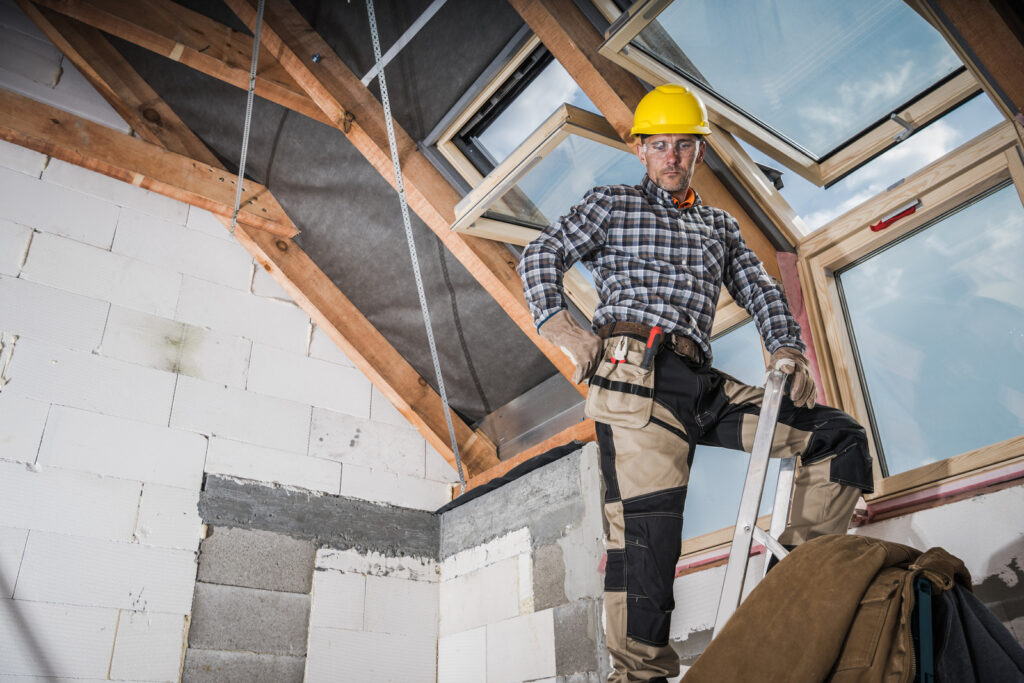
[747, 530]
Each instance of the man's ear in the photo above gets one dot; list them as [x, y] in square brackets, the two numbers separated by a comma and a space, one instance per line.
[641, 152]
[703, 146]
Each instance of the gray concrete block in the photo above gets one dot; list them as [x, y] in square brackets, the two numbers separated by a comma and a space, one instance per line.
[257, 559]
[334, 521]
[547, 500]
[577, 637]
[213, 666]
[548, 577]
[264, 622]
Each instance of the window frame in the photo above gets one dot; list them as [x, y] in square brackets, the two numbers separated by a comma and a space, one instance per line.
[955, 179]
[855, 152]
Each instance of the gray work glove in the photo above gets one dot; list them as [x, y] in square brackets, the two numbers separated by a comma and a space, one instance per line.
[790, 361]
[582, 346]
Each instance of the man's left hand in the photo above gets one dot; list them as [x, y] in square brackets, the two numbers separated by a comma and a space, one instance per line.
[801, 389]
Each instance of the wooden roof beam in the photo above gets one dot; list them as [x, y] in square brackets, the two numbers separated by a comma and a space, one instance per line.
[178, 33]
[356, 112]
[315, 293]
[59, 134]
[574, 42]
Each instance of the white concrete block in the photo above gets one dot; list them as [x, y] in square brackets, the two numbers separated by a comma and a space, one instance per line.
[511, 545]
[68, 502]
[264, 285]
[485, 596]
[207, 223]
[94, 573]
[72, 93]
[12, 17]
[438, 469]
[12, 547]
[298, 378]
[698, 595]
[169, 518]
[248, 461]
[31, 57]
[149, 647]
[353, 440]
[382, 486]
[58, 210]
[240, 415]
[141, 338]
[103, 385]
[377, 564]
[522, 648]
[115, 191]
[127, 449]
[53, 315]
[14, 242]
[401, 607]
[382, 410]
[172, 246]
[275, 323]
[21, 159]
[101, 274]
[39, 639]
[338, 600]
[323, 347]
[21, 427]
[462, 657]
[364, 656]
[216, 357]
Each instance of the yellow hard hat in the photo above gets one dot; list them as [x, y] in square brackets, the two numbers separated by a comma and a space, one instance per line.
[670, 109]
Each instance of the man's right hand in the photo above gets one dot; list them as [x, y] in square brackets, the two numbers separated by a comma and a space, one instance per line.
[582, 346]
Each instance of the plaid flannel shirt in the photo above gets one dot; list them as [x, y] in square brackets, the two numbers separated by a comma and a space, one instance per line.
[655, 264]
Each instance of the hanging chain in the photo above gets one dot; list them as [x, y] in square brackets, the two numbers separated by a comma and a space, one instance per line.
[248, 114]
[400, 187]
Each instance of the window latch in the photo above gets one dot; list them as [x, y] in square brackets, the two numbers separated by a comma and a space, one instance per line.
[896, 215]
[908, 127]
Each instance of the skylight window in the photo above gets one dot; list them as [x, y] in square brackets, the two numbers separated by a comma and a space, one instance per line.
[817, 206]
[821, 86]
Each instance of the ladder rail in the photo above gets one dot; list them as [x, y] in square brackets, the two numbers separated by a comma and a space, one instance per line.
[750, 502]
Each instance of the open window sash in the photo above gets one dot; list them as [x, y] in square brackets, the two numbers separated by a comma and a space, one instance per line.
[655, 58]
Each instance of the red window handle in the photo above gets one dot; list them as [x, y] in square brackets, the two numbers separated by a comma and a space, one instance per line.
[896, 215]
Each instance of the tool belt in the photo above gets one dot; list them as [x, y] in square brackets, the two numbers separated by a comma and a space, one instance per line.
[683, 346]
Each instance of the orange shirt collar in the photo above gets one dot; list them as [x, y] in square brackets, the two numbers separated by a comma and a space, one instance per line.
[691, 197]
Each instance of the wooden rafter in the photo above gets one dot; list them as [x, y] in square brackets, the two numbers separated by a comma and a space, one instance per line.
[339, 92]
[59, 134]
[131, 96]
[193, 39]
[581, 431]
[574, 42]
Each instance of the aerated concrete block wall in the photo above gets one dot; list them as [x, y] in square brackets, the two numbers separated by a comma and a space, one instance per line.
[142, 351]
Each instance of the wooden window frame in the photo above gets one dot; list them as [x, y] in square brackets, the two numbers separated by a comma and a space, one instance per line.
[850, 156]
[976, 167]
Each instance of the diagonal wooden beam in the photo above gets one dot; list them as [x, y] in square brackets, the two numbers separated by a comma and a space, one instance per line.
[59, 134]
[128, 93]
[574, 42]
[339, 92]
[583, 432]
[193, 39]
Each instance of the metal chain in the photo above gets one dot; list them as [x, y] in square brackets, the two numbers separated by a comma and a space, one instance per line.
[248, 114]
[400, 187]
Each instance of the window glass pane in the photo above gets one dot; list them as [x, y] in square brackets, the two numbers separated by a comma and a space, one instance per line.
[817, 73]
[939, 326]
[716, 479]
[817, 205]
[560, 180]
[552, 88]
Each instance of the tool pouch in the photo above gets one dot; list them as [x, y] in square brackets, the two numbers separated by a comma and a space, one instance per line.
[621, 391]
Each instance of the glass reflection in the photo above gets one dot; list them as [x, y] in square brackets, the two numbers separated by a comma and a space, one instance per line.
[716, 478]
[552, 88]
[939, 326]
[561, 179]
[817, 73]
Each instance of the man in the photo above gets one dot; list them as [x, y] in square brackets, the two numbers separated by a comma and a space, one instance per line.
[659, 259]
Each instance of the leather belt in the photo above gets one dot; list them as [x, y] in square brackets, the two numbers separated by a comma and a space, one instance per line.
[683, 346]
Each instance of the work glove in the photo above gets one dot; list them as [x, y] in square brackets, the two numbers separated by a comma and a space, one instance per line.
[791, 362]
[582, 346]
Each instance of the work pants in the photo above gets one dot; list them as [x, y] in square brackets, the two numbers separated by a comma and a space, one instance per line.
[646, 470]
